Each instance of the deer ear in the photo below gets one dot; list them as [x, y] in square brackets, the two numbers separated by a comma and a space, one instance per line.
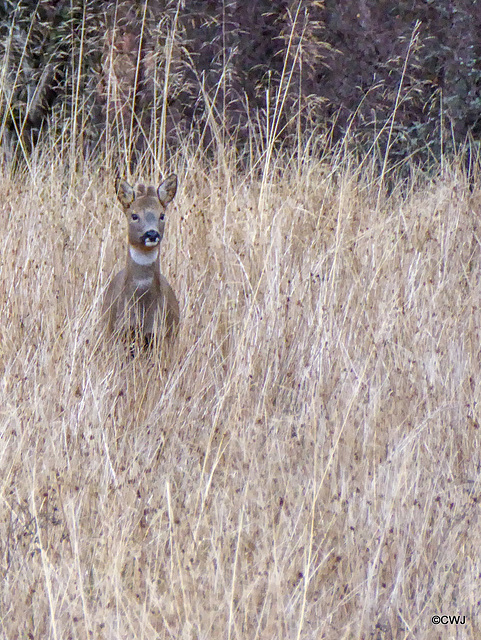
[125, 193]
[167, 189]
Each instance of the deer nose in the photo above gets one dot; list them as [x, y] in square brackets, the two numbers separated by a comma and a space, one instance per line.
[151, 238]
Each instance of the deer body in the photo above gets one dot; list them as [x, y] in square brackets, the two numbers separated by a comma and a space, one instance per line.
[139, 299]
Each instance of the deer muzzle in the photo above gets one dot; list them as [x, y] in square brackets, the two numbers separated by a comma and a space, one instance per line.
[151, 238]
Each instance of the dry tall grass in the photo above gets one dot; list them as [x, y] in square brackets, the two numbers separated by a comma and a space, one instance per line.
[308, 464]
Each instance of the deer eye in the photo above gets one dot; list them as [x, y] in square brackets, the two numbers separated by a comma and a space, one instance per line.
[134, 217]
[162, 216]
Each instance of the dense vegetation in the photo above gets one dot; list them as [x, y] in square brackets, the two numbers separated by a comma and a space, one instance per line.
[405, 74]
[304, 463]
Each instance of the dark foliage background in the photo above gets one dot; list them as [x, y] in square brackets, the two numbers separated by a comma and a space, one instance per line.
[404, 74]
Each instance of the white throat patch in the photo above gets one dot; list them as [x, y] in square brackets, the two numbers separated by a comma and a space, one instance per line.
[143, 258]
[143, 283]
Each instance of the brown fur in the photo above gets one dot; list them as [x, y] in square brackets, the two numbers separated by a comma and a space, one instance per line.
[139, 299]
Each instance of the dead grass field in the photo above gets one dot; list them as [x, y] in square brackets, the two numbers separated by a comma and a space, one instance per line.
[308, 464]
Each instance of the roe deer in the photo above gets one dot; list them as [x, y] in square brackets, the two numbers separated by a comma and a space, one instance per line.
[139, 300]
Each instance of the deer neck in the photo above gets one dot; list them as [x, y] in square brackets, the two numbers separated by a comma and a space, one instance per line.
[142, 266]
